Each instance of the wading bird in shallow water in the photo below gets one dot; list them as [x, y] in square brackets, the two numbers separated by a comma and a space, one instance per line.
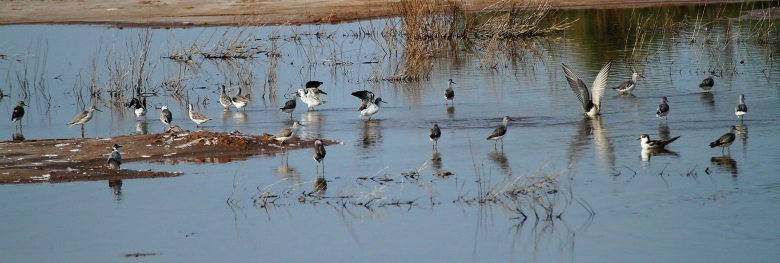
[224, 99]
[707, 83]
[289, 106]
[591, 101]
[165, 116]
[449, 94]
[241, 100]
[646, 143]
[287, 133]
[368, 105]
[741, 109]
[434, 136]
[139, 106]
[115, 159]
[197, 117]
[82, 118]
[629, 85]
[725, 140]
[319, 154]
[663, 109]
[18, 113]
[498, 133]
[311, 95]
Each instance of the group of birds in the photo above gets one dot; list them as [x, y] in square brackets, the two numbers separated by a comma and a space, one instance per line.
[591, 103]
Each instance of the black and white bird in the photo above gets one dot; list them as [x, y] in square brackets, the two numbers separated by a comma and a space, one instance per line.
[224, 99]
[499, 132]
[289, 106]
[725, 140]
[83, 117]
[115, 159]
[741, 109]
[241, 100]
[319, 154]
[139, 106]
[591, 100]
[311, 95]
[368, 106]
[707, 83]
[449, 94]
[287, 133]
[197, 117]
[165, 116]
[646, 143]
[18, 112]
[663, 109]
[434, 135]
[629, 85]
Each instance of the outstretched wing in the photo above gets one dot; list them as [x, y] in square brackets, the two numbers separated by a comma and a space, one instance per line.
[313, 84]
[578, 87]
[600, 84]
[365, 96]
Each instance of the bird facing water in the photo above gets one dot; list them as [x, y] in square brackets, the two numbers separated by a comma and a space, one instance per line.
[591, 101]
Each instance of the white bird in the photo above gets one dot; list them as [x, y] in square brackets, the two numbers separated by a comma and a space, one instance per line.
[311, 95]
[591, 101]
[197, 117]
[115, 159]
[224, 99]
[741, 109]
[165, 116]
[725, 140]
[241, 100]
[139, 106]
[368, 106]
[449, 94]
[82, 118]
[434, 135]
[663, 109]
[629, 85]
[646, 143]
[499, 132]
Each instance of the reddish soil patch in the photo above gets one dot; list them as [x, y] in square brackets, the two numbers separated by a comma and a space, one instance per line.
[67, 160]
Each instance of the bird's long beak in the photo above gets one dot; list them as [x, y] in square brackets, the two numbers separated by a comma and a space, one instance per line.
[99, 110]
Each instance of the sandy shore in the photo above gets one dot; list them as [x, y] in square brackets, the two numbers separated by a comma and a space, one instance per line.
[177, 13]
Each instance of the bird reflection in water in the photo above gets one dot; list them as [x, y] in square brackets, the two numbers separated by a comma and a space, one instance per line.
[708, 98]
[320, 185]
[17, 137]
[742, 133]
[646, 154]
[287, 172]
[725, 163]
[225, 115]
[499, 158]
[451, 111]
[370, 133]
[603, 146]
[435, 159]
[630, 97]
[141, 127]
[116, 185]
[239, 117]
[313, 120]
[663, 131]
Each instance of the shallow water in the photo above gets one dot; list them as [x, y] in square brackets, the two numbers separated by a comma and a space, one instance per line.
[689, 204]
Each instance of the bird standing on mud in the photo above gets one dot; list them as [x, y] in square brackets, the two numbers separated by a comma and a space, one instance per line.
[287, 133]
[82, 118]
[591, 101]
[115, 159]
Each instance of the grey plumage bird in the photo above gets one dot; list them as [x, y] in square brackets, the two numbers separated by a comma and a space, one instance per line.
[115, 159]
[289, 106]
[165, 116]
[241, 100]
[646, 143]
[449, 94]
[224, 99]
[499, 132]
[725, 140]
[629, 85]
[707, 83]
[368, 105]
[319, 154]
[434, 135]
[197, 117]
[18, 112]
[591, 100]
[82, 118]
[287, 133]
[741, 109]
[663, 109]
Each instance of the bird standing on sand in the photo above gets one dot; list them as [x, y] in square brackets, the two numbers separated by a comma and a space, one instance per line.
[498, 133]
[197, 117]
[368, 106]
[434, 135]
[115, 159]
[646, 143]
[591, 101]
[241, 100]
[663, 109]
[449, 94]
[82, 118]
[741, 109]
[725, 140]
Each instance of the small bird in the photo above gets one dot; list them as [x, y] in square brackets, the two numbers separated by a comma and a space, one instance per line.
[197, 117]
[434, 135]
[663, 109]
[498, 133]
[629, 85]
[368, 106]
[646, 143]
[139, 105]
[319, 154]
[289, 106]
[224, 99]
[18, 112]
[725, 140]
[287, 133]
[311, 95]
[241, 100]
[740, 110]
[707, 83]
[82, 118]
[115, 159]
[449, 94]
[165, 116]
[591, 101]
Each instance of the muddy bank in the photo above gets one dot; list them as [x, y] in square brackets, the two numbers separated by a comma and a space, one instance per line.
[172, 13]
[67, 160]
